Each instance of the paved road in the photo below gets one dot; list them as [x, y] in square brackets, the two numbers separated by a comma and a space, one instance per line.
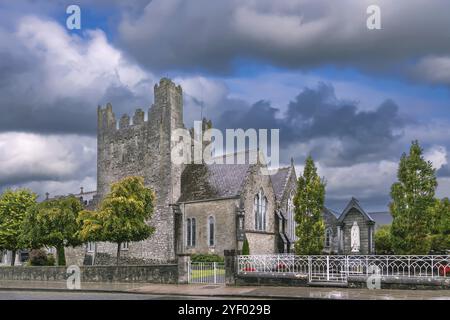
[49, 295]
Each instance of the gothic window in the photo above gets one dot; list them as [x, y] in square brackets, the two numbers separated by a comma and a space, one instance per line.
[260, 208]
[328, 237]
[190, 234]
[291, 218]
[211, 231]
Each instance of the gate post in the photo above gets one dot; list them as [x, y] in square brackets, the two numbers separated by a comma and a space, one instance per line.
[184, 262]
[328, 268]
[231, 267]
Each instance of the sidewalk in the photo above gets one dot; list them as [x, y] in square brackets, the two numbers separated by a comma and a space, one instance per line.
[244, 292]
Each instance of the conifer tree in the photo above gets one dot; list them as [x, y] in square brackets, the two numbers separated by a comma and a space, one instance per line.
[412, 202]
[308, 205]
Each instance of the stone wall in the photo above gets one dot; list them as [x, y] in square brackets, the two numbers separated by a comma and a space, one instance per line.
[224, 213]
[260, 242]
[300, 280]
[167, 273]
[272, 279]
[419, 283]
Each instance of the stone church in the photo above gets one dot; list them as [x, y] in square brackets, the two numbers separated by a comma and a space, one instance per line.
[202, 208]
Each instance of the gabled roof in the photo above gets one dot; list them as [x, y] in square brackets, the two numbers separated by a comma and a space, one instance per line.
[214, 181]
[331, 213]
[354, 203]
[279, 181]
[202, 181]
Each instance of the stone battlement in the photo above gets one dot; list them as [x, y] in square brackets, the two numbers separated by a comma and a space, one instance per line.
[107, 119]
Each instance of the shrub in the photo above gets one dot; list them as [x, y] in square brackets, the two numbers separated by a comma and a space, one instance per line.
[39, 257]
[206, 258]
[383, 240]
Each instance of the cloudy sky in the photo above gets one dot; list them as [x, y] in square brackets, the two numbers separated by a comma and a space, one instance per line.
[351, 97]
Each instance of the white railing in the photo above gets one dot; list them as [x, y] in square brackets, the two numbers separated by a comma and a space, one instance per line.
[206, 272]
[338, 267]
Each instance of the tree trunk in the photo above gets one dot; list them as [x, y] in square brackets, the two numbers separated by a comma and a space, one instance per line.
[61, 256]
[13, 257]
[118, 253]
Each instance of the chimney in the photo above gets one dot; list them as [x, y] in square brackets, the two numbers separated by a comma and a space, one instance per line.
[81, 190]
[47, 195]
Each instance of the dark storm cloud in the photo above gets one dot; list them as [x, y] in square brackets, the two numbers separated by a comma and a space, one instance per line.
[318, 114]
[443, 172]
[211, 35]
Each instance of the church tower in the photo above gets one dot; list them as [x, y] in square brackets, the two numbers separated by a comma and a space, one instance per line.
[143, 148]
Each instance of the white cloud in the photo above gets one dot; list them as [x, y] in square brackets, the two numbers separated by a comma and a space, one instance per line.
[73, 66]
[437, 155]
[30, 159]
[435, 69]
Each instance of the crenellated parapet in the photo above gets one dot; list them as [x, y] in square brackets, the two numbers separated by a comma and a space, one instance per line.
[108, 124]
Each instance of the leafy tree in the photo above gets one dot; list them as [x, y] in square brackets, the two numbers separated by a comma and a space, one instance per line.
[13, 207]
[412, 198]
[53, 223]
[122, 214]
[440, 226]
[308, 206]
[383, 241]
[245, 248]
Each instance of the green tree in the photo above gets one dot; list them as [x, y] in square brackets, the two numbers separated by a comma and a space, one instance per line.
[383, 241]
[308, 205]
[13, 207]
[122, 214]
[412, 200]
[53, 223]
[440, 226]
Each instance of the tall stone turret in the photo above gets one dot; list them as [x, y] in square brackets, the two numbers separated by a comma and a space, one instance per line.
[143, 148]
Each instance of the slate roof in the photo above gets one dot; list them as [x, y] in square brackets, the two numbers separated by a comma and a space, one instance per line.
[202, 181]
[331, 213]
[279, 181]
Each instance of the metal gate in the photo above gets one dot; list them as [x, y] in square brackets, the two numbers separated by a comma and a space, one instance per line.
[206, 272]
[328, 269]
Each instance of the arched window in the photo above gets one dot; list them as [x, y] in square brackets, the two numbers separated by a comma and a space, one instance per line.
[211, 231]
[260, 207]
[291, 218]
[255, 208]
[190, 232]
[328, 237]
[193, 232]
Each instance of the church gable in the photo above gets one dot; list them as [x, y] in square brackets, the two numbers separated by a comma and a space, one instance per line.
[354, 207]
